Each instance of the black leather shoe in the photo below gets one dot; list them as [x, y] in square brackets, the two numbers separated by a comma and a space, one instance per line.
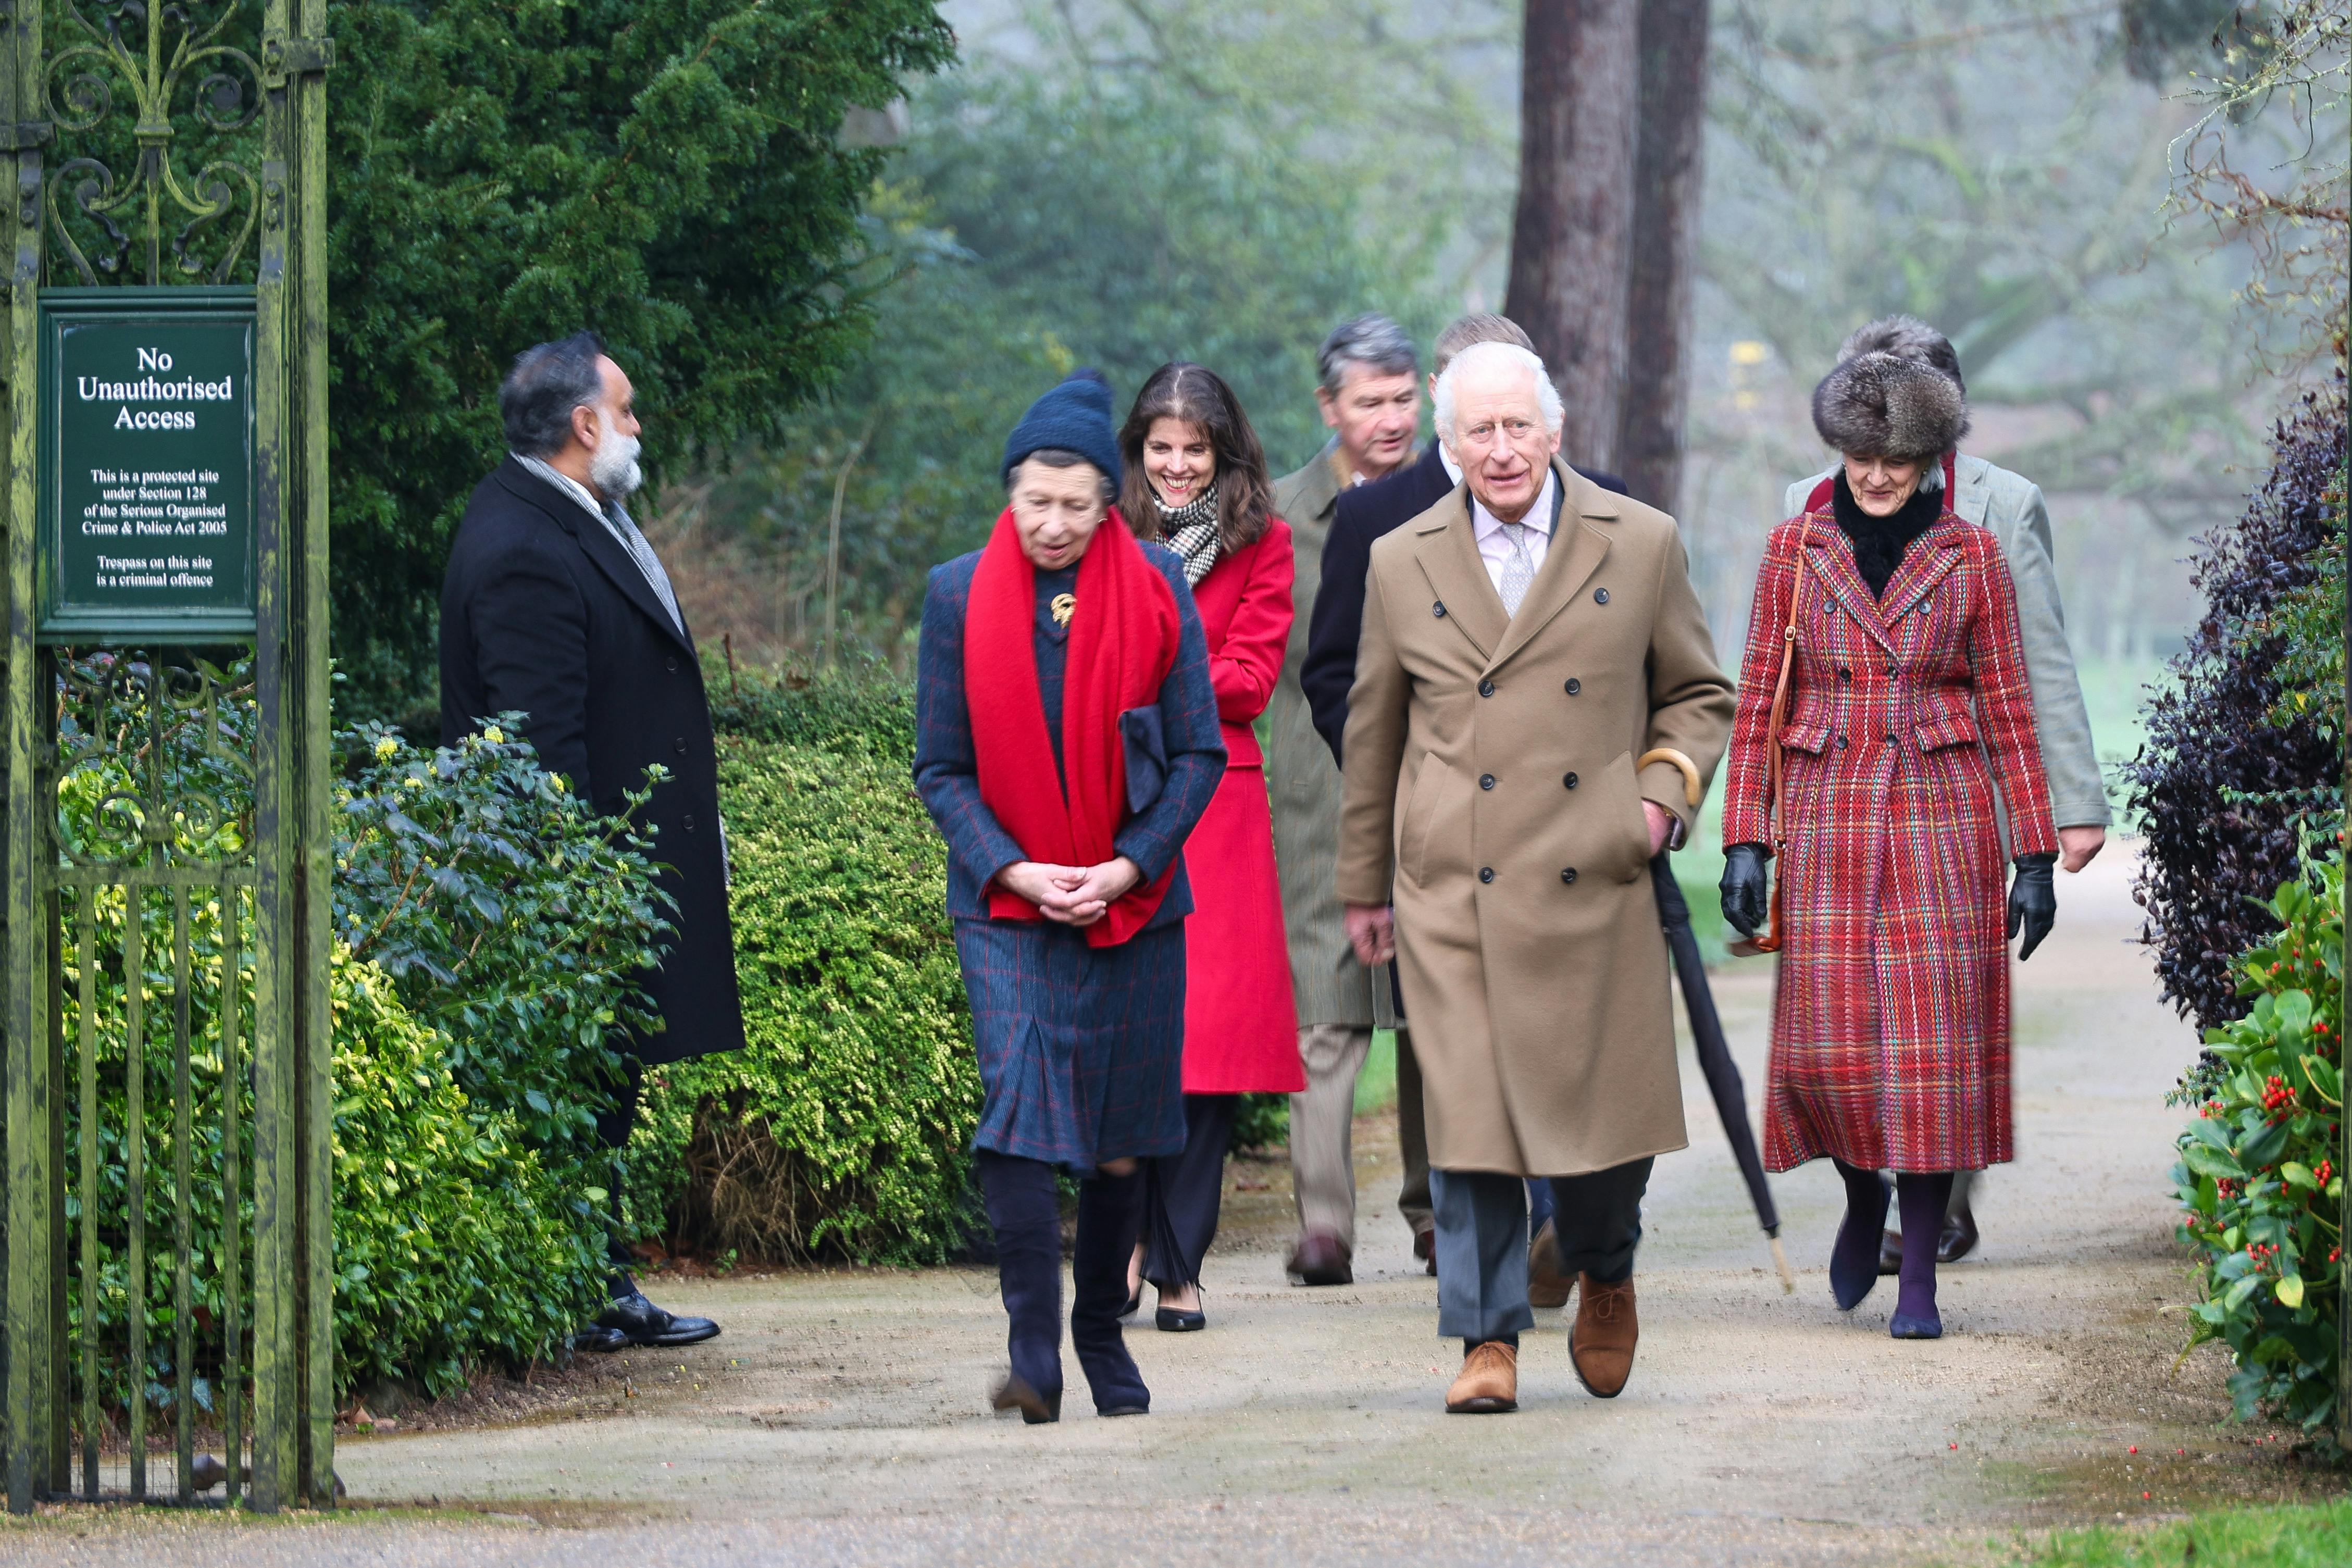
[640, 1322]
[596, 1339]
[1177, 1321]
[1890, 1254]
[1959, 1236]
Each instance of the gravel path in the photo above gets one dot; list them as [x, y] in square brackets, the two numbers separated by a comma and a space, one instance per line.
[840, 1419]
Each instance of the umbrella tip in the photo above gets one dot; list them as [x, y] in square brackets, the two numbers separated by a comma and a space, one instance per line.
[1781, 1262]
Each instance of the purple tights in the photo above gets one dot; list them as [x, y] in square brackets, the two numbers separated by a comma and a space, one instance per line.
[1922, 1197]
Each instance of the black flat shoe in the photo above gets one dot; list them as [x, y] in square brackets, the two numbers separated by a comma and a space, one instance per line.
[1170, 1320]
[1134, 1305]
[640, 1322]
[596, 1339]
[1017, 1393]
[1959, 1236]
[1890, 1254]
[1124, 1410]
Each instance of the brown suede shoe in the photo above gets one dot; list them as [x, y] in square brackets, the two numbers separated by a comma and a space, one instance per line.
[1489, 1383]
[1601, 1345]
[1547, 1286]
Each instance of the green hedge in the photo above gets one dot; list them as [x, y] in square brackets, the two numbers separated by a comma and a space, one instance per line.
[841, 1129]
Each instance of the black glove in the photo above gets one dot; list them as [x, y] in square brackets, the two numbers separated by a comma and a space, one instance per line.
[2033, 901]
[1745, 886]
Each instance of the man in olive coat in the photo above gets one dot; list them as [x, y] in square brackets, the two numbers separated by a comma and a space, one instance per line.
[556, 608]
[1531, 645]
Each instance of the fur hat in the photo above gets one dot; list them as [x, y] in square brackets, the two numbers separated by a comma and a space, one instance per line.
[1885, 405]
[1906, 337]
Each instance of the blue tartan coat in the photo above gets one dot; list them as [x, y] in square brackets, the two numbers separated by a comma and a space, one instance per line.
[1080, 1048]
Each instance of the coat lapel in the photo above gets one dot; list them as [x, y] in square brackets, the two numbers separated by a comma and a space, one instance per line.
[1923, 568]
[597, 542]
[1448, 554]
[1832, 558]
[1575, 554]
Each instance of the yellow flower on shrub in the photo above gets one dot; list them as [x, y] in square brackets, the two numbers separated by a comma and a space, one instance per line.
[386, 747]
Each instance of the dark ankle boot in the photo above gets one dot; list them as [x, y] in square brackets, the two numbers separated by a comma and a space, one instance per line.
[1923, 1195]
[1025, 1209]
[1110, 1213]
[1854, 1261]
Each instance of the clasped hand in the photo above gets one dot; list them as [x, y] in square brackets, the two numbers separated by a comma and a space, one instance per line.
[1072, 895]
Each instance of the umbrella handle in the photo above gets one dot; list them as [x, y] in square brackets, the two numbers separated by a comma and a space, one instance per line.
[1693, 790]
[1781, 1262]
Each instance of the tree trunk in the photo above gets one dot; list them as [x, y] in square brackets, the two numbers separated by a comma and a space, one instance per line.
[1570, 236]
[1667, 176]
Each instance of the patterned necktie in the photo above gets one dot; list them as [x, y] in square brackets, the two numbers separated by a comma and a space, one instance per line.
[1519, 570]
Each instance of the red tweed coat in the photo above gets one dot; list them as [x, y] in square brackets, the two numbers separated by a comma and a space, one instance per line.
[1890, 1019]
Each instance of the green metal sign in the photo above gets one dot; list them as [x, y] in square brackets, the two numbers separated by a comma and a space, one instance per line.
[148, 476]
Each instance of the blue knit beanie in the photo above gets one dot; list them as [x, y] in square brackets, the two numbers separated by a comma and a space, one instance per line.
[1074, 416]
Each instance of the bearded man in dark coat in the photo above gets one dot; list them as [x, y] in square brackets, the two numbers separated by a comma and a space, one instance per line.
[556, 608]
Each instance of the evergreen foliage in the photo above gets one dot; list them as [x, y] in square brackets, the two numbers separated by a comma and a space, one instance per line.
[2241, 755]
[841, 1128]
[501, 173]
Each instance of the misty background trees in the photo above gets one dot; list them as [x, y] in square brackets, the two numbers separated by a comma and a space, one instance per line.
[1120, 182]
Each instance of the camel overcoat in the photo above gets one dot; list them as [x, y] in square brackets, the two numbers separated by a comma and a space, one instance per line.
[1490, 793]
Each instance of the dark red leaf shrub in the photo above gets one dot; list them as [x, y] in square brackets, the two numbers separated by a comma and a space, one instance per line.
[2224, 788]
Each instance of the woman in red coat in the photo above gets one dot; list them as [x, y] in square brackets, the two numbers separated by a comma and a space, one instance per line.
[1196, 481]
[1906, 703]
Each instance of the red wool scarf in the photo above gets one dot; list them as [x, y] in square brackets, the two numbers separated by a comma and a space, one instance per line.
[1122, 644]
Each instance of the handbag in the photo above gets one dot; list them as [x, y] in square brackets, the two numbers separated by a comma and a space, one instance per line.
[1769, 940]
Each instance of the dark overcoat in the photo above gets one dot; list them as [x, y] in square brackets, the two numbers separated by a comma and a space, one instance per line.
[544, 612]
[1890, 1014]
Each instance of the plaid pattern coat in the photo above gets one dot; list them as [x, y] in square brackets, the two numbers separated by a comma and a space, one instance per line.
[1890, 1018]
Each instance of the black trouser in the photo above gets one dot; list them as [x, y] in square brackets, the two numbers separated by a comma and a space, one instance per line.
[1597, 1218]
[1185, 1192]
[613, 1125]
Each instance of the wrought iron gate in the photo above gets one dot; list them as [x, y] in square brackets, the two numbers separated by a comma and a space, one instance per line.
[168, 1268]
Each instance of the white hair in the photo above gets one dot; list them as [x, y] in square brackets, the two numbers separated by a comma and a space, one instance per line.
[1479, 356]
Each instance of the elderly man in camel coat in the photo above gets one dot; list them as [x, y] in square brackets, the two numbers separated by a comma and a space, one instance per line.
[1535, 670]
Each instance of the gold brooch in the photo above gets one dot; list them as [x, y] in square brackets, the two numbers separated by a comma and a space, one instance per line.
[1064, 606]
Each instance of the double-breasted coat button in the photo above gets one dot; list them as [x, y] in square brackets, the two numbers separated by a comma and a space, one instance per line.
[1485, 873]
[1485, 689]
[1599, 595]
[1840, 742]
[1485, 781]
[1438, 609]
[672, 661]
[689, 822]
[678, 745]
[1844, 674]
[1570, 780]
[1568, 875]
[1574, 686]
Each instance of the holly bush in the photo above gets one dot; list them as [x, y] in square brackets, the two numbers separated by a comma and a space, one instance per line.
[2257, 1175]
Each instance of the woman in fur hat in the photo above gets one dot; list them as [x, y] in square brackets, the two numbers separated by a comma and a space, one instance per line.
[1883, 649]
[1066, 741]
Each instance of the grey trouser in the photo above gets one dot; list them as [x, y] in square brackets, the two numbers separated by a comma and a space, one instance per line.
[1322, 1117]
[1482, 1241]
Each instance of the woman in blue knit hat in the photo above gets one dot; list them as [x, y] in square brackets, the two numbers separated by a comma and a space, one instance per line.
[1068, 741]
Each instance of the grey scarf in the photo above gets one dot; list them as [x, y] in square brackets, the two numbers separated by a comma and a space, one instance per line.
[1191, 532]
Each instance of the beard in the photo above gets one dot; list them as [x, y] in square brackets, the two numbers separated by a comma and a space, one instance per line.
[612, 467]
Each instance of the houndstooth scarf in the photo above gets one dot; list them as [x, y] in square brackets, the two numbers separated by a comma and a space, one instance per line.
[1191, 532]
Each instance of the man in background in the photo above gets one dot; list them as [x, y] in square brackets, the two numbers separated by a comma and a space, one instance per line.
[556, 608]
[2011, 508]
[1368, 387]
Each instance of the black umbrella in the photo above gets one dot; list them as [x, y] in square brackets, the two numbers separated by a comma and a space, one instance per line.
[1706, 1029]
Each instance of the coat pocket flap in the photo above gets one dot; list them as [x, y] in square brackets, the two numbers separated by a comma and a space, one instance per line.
[1805, 736]
[1951, 730]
